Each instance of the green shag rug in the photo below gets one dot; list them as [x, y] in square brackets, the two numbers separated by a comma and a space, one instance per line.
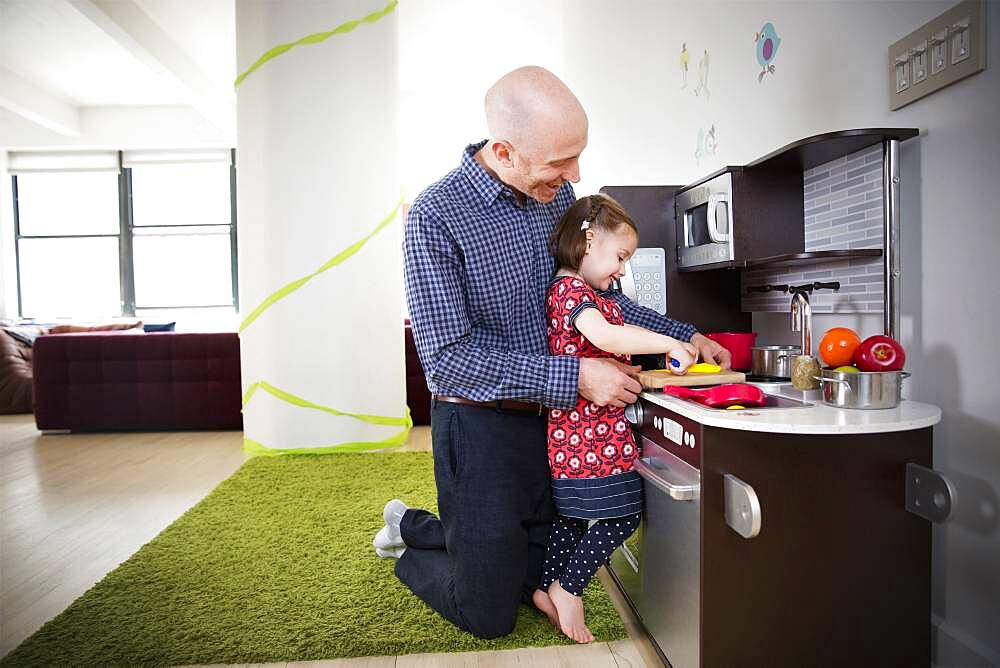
[276, 564]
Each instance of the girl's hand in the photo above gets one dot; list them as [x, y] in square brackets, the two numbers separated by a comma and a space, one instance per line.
[684, 356]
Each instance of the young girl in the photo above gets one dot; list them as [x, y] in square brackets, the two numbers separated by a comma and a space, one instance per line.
[591, 448]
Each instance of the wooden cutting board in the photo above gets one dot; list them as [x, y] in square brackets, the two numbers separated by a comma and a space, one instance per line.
[654, 380]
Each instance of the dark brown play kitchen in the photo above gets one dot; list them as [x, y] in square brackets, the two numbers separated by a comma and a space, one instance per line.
[795, 530]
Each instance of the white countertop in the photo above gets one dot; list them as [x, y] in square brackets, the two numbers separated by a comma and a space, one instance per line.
[819, 418]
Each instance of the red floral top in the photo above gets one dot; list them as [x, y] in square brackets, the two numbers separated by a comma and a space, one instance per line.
[589, 441]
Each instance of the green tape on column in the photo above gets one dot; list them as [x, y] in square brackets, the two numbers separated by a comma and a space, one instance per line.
[332, 262]
[305, 403]
[316, 38]
[255, 448]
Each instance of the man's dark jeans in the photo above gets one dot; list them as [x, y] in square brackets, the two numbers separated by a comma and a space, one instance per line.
[483, 557]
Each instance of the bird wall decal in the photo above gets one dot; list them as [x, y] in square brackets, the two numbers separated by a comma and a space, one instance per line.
[707, 144]
[767, 41]
[685, 59]
[703, 75]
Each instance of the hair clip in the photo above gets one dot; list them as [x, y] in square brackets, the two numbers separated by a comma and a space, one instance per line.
[585, 225]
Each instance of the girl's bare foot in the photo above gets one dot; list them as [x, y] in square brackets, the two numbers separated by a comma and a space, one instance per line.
[544, 603]
[570, 611]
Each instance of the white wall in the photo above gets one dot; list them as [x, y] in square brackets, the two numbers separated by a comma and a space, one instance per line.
[622, 60]
[445, 69]
[152, 127]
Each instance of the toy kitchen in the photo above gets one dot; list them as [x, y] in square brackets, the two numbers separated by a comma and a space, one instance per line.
[789, 525]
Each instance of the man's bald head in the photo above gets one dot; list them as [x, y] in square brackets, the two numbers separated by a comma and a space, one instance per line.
[532, 109]
[538, 131]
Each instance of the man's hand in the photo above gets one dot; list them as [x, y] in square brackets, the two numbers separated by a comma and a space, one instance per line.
[711, 352]
[608, 382]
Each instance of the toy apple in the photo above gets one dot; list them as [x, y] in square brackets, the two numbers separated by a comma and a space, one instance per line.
[880, 353]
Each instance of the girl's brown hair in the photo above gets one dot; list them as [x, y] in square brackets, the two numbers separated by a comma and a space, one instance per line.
[568, 242]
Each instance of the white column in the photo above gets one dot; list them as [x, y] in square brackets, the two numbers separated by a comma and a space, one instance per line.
[316, 173]
[8, 264]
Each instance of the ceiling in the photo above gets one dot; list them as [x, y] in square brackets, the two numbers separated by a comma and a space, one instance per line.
[66, 62]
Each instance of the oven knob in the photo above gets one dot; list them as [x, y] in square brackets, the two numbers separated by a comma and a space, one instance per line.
[634, 414]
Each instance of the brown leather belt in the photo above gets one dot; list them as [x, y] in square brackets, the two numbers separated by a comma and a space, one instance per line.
[500, 405]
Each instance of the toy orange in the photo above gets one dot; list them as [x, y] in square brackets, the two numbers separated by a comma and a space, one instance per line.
[838, 345]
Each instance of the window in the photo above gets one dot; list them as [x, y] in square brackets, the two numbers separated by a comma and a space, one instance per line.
[182, 235]
[153, 238]
[68, 243]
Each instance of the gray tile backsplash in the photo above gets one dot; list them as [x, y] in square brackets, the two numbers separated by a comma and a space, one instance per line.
[843, 210]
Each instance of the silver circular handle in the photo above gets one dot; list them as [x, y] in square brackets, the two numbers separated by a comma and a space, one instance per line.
[634, 414]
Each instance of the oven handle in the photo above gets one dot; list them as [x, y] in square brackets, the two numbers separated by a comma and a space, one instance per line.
[676, 486]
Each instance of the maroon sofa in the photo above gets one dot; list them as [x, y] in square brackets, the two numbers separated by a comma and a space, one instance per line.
[418, 397]
[112, 381]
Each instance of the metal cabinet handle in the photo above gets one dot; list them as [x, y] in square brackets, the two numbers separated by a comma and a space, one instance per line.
[743, 513]
[929, 494]
[676, 486]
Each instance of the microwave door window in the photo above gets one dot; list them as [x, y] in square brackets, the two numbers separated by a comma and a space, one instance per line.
[697, 228]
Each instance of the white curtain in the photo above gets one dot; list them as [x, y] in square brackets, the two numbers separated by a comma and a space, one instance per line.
[316, 175]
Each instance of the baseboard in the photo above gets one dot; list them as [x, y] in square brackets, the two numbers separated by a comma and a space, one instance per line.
[953, 648]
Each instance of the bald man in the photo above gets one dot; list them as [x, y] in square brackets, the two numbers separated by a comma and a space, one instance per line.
[477, 270]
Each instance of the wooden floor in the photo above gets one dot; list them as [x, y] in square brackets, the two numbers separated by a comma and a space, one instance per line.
[75, 506]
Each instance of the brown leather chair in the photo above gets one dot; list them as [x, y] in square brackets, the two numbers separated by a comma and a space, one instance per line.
[15, 375]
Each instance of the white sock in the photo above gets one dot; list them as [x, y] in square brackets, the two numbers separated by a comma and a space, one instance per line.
[390, 553]
[388, 537]
[393, 512]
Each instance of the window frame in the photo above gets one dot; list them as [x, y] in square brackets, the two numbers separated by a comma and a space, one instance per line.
[126, 239]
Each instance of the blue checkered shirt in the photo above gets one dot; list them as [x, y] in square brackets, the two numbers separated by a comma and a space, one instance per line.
[477, 269]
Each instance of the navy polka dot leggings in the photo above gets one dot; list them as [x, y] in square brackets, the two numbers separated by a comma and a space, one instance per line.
[576, 552]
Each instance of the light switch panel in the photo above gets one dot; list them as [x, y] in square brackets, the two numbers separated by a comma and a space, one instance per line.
[939, 53]
[902, 73]
[959, 42]
[918, 63]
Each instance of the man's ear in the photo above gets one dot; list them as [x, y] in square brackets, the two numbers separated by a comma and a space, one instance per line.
[501, 151]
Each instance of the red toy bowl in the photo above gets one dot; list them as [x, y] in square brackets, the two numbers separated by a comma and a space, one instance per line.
[738, 344]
